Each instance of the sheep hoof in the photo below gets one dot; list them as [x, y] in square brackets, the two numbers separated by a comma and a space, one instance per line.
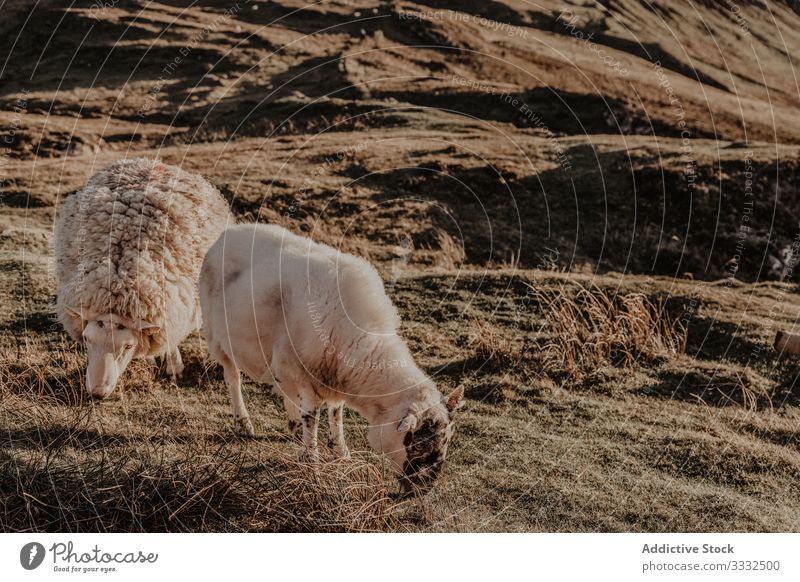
[295, 429]
[174, 365]
[243, 427]
[341, 451]
[175, 372]
[310, 456]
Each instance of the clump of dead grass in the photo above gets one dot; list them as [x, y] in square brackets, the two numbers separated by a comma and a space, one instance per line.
[490, 349]
[593, 328]
[736, 387]
[43, 370]
[449, 253]
[338, 495]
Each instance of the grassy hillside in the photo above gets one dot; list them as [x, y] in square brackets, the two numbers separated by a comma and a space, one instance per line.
[583, 212]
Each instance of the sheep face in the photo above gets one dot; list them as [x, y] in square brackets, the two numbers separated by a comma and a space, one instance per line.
[425, 450]
[111, 343]
[418, 445]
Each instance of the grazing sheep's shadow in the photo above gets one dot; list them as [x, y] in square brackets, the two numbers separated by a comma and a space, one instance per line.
[716, 387]
[713, 340]
[38, 322]
[80, 437]
[56, 436]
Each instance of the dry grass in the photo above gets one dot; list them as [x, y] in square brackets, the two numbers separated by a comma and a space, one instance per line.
[592, 328]
[44, 371]
[65, 473]
[652, 456]
[718, 385]
[339, 495]
[490, 349]
[64, 467]
[55, 372]
[737, 389]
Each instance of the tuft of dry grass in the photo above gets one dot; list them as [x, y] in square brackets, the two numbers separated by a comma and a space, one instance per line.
[593, 328]
[491, 350]
[338, 495]
[737, 388]
[449, 252]
[51, 371]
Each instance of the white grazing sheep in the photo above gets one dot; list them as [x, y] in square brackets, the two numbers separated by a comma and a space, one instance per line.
[128, 250]
[318, 325]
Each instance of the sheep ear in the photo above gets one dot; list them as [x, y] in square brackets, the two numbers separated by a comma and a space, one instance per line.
[455, 399]
[408, 423]
[147, 328]
[74, 313]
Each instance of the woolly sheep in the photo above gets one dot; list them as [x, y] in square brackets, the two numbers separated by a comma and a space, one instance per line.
[317, 324]
[128, 250]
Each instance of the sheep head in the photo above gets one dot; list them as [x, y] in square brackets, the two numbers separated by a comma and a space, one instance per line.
[111, 342]
[417, 443]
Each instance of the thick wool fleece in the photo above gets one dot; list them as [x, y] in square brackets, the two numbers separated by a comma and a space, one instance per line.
[131, 242]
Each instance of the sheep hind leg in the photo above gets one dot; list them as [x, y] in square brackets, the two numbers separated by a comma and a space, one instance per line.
[175, 364]
[336, 430]
[294, 422]
[242, 425]
[309, 415]
[297, 392]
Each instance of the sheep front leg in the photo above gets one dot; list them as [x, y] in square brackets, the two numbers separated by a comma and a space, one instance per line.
[336, 429]
[175, 364]
[241, 419]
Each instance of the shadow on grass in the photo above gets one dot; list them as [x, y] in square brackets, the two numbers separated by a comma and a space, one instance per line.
[712, 387]
[201, 487]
